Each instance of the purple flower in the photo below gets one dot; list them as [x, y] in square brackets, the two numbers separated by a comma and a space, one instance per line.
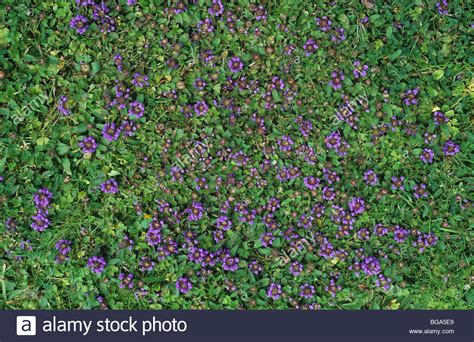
[63, 246]
[370, 177]
[40, 221]
[450, 148]
[425, 240]
[410, 97]
[111, 132]
[88, 145]
[420, 191]
[110, 186]
[205, 26]
[371, 266]
[79, 23]
[126, 280]
[296, 268]
[383, 282]
[328, 194]
[363, 234]
[360, 70]
[199, 83]
[311, 182]
[255, 267]
[285, 143]
[229, 263]
[136, 110]
[183, 285]
[324, 23]
[195, 211]
[337, 78]
[310, 47]
[62, 106]
[380, 230]
[224, 223]
[128, 127]
[442, 7]
[307, 291]
[43, 198]
[140, 80]
[96, 264]
[427, 156]
[439, 118]
[267, 239]
[201, 108]
[261, 13]
[356, 205]
[118, 61]
[397, 183]
[235, 64]
[400, 234]
[153, 235]
[216, 8]
[146, 264]
[274, 291]
[333, 140]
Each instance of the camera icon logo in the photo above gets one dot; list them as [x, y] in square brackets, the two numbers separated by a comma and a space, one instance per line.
[26, 325]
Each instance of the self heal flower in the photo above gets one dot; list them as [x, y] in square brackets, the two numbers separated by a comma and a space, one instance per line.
[324, 23]
[442, 7]
[310, 47]
[118, 61]
[183, 285]
[216, 8]
[311, 182]
[410, 97]
[88, 145]
[230, 264]
[356, 205]
[328, 193]
[427, 156]
[307, 291]
[63, 246]
[285, 143]
[274, 291]
[79, 23]
[400, 234]
[371, 266]
[205, 26]
[420, 191]
[359, 69]
[110, 131]
[425, 240]
[267, 239]
[40, 221]
[337, 78]
[450, 148]
[62, 106]
[140, 80]
[96, 264]
[235, 64]
[110, 186]
[439, 118]
[146, 264]
[136, 110]
[43, 198]
[397, 183]
[296, 268]
[370, 177]
[128, 128]
[195, 211]
[126, 280]
[383, 282]
[201, 108]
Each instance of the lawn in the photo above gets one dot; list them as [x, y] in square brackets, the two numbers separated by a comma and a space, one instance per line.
[289, 154]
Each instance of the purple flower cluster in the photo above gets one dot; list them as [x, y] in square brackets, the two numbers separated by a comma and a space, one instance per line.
[63, 247]
[96, 264]
[42, 200]
[110, 186]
